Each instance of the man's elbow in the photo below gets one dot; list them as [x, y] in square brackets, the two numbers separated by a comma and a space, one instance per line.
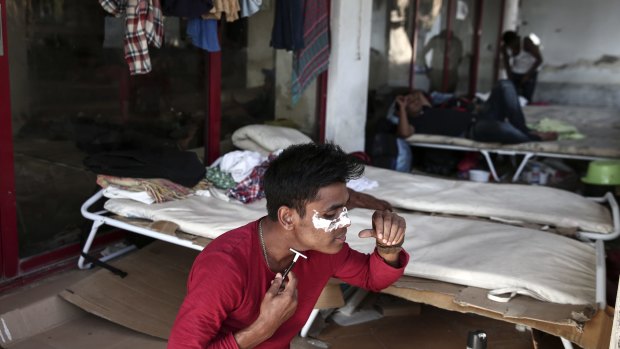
[404, 133]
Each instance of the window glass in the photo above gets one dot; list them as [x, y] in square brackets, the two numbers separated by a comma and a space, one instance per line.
[256, 80]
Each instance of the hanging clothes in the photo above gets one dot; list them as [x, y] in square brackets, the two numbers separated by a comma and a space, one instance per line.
[228, 7]
[288, 25]
[249, 7]
[203, 33]
[186, 8]
[143, 26]
[313, 59]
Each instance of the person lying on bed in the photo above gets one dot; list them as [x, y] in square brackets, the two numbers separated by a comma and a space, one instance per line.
[237, 296]
[499, 120]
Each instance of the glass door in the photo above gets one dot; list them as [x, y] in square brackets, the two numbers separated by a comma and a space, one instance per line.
[67, 94]
[71, 96]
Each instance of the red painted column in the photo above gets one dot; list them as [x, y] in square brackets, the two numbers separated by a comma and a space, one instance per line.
[475, 62]
[446, 58]
[213, 122]
[8, 214]
[499, 41]
[321, 104]
[414, 43]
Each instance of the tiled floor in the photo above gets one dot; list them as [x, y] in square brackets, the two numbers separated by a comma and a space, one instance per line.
[432, 328]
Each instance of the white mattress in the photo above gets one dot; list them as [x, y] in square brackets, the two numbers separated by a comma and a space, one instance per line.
[482, 254]
[527, 203]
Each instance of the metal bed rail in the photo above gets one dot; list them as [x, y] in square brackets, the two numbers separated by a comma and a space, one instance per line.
[99, 218]
[527, 155]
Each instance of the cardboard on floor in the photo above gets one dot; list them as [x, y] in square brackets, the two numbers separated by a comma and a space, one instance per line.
[148, 298]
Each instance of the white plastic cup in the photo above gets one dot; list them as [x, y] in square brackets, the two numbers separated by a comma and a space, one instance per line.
[479, 176]
[544, 177]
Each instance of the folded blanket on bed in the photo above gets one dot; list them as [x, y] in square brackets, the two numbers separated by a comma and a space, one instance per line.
[563, 128]
[266, 139]
[475, 253]
[147, 190]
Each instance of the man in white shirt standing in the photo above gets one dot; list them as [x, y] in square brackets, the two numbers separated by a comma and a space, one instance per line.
[522, 59]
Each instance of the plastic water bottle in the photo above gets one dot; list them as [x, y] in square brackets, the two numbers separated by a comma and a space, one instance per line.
[535, 175]
[477, 340]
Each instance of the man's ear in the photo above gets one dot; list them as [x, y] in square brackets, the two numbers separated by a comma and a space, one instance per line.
[287, 217]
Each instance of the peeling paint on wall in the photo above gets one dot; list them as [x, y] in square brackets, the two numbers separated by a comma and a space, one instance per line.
[581, 58]
[605, 61]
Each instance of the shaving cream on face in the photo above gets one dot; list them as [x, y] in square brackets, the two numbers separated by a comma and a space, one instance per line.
[327, 225]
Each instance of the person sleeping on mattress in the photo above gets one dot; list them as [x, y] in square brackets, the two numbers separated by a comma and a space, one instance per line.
[249, 289]
[499, 120]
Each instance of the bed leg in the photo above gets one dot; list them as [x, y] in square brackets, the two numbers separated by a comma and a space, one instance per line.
[88, 243]
[601, 275]
[566, 343]
[306, 328]
[490, 163]
[527, 158]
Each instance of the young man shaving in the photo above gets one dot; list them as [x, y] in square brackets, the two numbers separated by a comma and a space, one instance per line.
[237, 297]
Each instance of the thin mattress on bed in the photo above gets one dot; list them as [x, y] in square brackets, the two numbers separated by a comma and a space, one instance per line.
[513, 202]
[526, 203]
[487, 255]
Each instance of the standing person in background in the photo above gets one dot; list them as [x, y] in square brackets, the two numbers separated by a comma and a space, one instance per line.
[521, 58]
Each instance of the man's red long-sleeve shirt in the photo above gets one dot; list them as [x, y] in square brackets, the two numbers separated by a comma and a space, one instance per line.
[229, 279]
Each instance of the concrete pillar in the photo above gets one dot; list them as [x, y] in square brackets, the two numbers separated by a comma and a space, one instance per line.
[511, 15]
[304, 112]
[260, 54]
[348, 73]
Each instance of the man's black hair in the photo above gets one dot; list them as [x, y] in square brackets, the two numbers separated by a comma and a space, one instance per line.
[509, 36]
[297, 175]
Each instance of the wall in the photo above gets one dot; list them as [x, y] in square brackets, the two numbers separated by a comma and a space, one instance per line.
[348, 73]
[580, 49]
[260, 53]
[304, 112]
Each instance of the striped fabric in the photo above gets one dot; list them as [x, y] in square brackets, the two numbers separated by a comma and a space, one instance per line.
[143, 26]
[313, 59]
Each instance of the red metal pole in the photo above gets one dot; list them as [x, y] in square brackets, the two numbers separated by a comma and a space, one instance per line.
[8, 207]
[446, 58]
[321, 91]
[499, 41]
[321, 104]
[414, 43]
[475, 62]
[213, 120]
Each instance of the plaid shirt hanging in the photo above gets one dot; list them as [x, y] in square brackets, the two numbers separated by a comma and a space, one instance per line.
[143, 26]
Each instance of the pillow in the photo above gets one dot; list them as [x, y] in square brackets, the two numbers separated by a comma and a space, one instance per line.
[266, 139]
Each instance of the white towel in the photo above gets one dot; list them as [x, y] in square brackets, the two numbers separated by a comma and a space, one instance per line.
[362, 183]
[239, 163]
